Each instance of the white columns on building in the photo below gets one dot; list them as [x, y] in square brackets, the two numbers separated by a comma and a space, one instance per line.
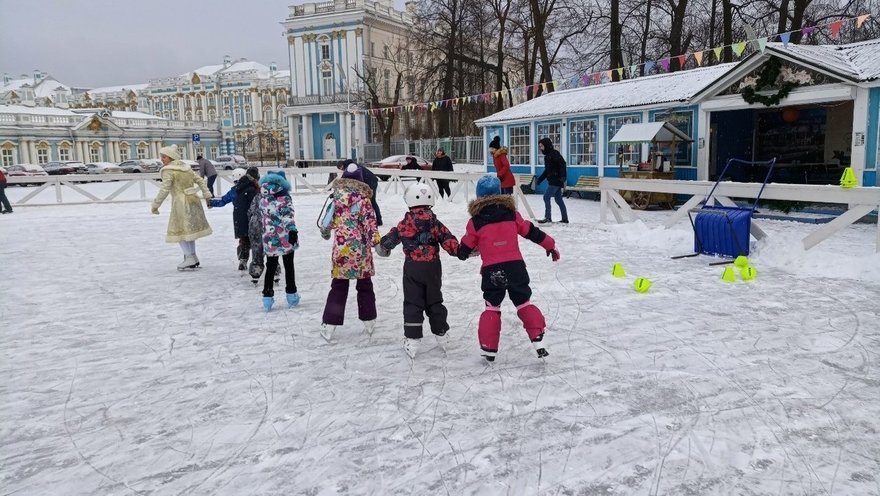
[190, 151]
[25, 152]
[345, 132]
[360, 137]
[308, 153]
[292, 137]
[256, 108]
[32, 151]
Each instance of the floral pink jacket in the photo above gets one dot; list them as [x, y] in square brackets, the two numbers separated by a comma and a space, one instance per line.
[354, 228]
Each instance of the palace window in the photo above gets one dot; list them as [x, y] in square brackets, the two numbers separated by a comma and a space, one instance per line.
[247, 115]
[327, 81]
[123, 152]
[43, 153]
[215, 151]
[582, 142]
[520, 137]
[325, 51]
[64, 152]
[142, 151]
[629, 153]
[387, 83]
[6, 156]
[267, 115]
[95, 154]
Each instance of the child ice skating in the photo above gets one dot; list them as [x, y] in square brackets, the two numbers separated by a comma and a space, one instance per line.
[422, 235]
[493, 230]
[352, 222]
[280, 237]
[241, 195]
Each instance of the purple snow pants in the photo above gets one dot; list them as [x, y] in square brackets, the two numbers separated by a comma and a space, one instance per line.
[334, 311]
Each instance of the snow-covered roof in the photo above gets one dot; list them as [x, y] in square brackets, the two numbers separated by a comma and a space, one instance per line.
[21, 109]
[649, 131]
[855, 61]
[44, 88]
[15, 84]
[121, 114]
[206, 70]
[246, 65]
[117, 89]
[649, 90]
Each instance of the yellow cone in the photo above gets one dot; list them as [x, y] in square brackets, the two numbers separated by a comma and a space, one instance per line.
[728, 275]
[642, 285]
[848, 179]
[741, 261]
[748, 273]
[617, 270]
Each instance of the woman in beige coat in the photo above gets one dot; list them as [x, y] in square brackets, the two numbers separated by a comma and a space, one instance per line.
[187, 222]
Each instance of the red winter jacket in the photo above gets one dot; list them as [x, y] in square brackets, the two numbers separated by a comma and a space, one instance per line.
[493, 230]
[422, 236]
[502, 168]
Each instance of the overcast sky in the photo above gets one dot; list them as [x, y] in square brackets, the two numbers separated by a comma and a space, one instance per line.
[93, 43]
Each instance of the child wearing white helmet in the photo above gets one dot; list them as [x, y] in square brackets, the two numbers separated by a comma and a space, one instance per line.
[422, 235]
[240, 195]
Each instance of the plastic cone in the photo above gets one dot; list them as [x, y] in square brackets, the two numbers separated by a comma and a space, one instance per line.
[728, 275]
[642, 285]
[748, 273]
[848, 179]
[741, 261]
[617, 270]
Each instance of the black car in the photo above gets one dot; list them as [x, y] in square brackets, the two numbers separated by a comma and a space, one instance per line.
[66, 167]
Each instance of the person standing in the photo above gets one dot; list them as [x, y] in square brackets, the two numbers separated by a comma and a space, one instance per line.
[241, 195]
[187, 221]
[5, 207]
[373, 182]
[554, 172]
[502, 166]
[207, 169]
[280, 236]
[411, 164]
[352, 227]
[442, 163]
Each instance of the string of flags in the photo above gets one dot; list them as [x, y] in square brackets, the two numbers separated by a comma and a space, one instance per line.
[593, 78]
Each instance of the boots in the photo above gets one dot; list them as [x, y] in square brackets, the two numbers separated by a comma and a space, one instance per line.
[411, 346]
[489, 331]
[268, 301]
[369, 326]
[292, 299]
[327, 331]
[442, 340]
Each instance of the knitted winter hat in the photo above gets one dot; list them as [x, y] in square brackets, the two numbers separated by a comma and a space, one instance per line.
[253, 172]
[496, 142]
[353, 172]
[488, 185]
[170, 152]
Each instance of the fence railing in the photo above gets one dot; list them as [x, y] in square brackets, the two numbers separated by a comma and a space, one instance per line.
[860, 201]
[467, 149]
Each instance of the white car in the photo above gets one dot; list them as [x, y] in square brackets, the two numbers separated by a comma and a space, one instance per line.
[229, 162]
[103, 168]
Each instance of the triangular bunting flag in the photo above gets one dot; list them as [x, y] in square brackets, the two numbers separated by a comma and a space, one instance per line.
[648, 66]
[739, 48]
[585, 80]
[808, 31]
[698, 56]
[762, 44]
[682, 60]
[544, 87]
[597, 77]
[664, 64]
[620, 72]
[718, 53]
[785, 37]
[835, 28]
[608, 75]
[632, 70]
[861, 20]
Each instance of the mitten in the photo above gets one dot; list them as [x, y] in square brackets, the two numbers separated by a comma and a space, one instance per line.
[154, 210]
[294, 237]
[382, 251]
[554, 254]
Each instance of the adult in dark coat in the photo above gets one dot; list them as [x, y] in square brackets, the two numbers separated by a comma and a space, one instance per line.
[207, 170]
[5, 207]
[241, 195]
[442, 163]
[555, 174]
[373, 182]
[411, 164]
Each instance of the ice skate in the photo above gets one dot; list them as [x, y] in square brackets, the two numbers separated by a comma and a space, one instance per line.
[540, 347]
[411, 346]
[369, 326]
[242, 264]
[292, 299]
[327, 331]
[442, 340]
[190, 262]
[268, 301]
[488, 355]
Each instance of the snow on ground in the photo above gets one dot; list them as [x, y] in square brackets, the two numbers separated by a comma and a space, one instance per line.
[121, 375]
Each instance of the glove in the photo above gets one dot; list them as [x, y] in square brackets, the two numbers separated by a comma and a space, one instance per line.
[293, 237]
[474, 253]
[382, 251]
[154, 210]
[554, 254]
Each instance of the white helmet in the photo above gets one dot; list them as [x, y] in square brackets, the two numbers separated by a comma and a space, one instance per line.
[419, 195]
[237, 174]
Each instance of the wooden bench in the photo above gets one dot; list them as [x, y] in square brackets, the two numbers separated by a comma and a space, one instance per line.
[585, 184]
[525, 182]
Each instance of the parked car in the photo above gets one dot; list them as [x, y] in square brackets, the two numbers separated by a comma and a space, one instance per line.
[26, 170]
[192, 164]
[103, 168]
[229, 162]
[397, 161]
[141, 165]
[59, 168]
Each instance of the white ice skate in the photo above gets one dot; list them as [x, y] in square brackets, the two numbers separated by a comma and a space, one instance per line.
[369, 326]
[411, 346]
[541, 348]
[189, 262]
[327, 331]
[442, 341]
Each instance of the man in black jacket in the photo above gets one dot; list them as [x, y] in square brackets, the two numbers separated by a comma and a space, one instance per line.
[555, 173]
[442, 163]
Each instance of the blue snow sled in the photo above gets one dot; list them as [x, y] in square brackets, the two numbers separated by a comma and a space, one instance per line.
[725, 230]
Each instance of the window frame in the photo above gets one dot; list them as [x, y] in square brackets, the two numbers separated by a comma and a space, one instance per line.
[95, 153]
[63, 153]
[575, 156]
[684, 157]
[629, 150]
[7, 156]
[519, 145]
